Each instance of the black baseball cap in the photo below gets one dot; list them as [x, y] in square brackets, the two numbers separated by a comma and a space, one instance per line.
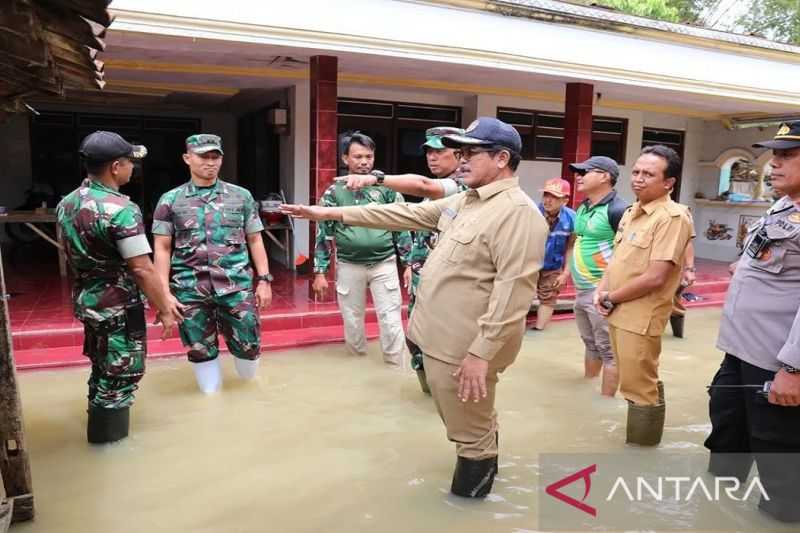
[104, 146]
[486, 131]
[597, 162]
[787, 137]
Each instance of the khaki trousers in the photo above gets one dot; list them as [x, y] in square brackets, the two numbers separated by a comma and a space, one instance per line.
[637, 361]
[472, 426]
[351, 292]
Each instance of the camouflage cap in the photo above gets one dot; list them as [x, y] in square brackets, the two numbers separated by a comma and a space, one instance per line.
[204, 142]
[433, 136]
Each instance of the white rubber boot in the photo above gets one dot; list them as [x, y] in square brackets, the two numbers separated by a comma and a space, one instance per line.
[246, 368]
[208, 375]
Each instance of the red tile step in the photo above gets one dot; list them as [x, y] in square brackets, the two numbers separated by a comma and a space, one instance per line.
[64, 356]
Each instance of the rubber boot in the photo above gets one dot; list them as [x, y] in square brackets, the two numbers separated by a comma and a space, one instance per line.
[645, 424]
[473, 478]
[246, 368]
[676, 321]
[208, 375]
[107, 425]
[736, 465]
[423, 381]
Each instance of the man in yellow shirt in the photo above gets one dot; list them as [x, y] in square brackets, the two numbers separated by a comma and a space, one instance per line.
[638, 287]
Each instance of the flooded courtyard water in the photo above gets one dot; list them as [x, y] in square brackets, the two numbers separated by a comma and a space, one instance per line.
[326, 442]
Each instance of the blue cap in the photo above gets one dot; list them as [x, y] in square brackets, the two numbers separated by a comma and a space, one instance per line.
[487, 131]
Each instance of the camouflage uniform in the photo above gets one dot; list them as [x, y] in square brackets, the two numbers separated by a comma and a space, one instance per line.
[211, 273]
[102, 228]
[422, 244]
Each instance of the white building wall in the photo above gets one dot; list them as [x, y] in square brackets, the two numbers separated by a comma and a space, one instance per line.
[295, 151]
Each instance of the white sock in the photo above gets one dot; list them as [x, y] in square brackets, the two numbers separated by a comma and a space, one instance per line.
[208, 375]
[246, 368]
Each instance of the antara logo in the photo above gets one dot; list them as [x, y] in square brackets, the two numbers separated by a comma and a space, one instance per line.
[585, 474]
[666, 488]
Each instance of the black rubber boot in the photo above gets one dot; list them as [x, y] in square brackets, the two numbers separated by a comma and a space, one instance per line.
[736, 465]
[423, 381]
[781, 510]
[107, 425]
[645, 424]
[676, 321]
[473, 478]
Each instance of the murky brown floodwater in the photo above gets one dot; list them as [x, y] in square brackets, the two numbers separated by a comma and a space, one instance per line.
[325, 442]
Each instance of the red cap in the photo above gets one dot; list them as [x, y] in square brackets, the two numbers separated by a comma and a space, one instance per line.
[556, 187]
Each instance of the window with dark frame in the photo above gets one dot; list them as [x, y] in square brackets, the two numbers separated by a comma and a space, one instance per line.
[542, 134]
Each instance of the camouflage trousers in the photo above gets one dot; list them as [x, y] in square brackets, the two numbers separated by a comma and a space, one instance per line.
[117, 348]
[207, 314]
[416, 353]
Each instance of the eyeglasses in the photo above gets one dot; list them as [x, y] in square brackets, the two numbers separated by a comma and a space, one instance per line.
[467, 152]
[584, 172]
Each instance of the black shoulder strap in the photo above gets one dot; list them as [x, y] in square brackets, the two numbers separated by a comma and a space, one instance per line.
[616, 208]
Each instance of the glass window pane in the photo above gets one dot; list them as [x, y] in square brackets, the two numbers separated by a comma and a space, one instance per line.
[550, 120]
[440, 115]
[607, 147]
[549, 147]
[516, 118]
[608, 125]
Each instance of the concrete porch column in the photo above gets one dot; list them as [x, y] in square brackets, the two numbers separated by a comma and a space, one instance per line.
[323, 91]
[577, 131]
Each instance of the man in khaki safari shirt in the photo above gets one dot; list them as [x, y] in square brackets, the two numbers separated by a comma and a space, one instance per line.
[479, 280]
[638, 286]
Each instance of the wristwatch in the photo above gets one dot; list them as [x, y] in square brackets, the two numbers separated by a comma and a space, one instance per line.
[607, 303]
[265, 277]
[790, 369]
[379, 175]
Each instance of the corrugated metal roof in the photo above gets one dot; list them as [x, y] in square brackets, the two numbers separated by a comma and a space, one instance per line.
[609, 16]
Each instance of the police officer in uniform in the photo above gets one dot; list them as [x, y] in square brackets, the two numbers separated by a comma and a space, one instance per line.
[760, 335]
[108, 253]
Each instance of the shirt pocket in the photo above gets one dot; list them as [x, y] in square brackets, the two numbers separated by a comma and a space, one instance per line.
[638, 251]
[460, 244]
[233, 224]
[187, 227]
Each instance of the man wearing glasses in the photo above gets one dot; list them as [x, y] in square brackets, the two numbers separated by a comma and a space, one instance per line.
[479, 281]
[443, 163]
[596, 224]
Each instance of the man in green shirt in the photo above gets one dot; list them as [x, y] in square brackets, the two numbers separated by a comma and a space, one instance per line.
[596, 225]
[443, 163]
[365, 258]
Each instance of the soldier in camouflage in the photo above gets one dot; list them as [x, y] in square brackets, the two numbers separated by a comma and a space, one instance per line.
[365, 258]
[216, 228]
[108, 253]
[443, 163]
